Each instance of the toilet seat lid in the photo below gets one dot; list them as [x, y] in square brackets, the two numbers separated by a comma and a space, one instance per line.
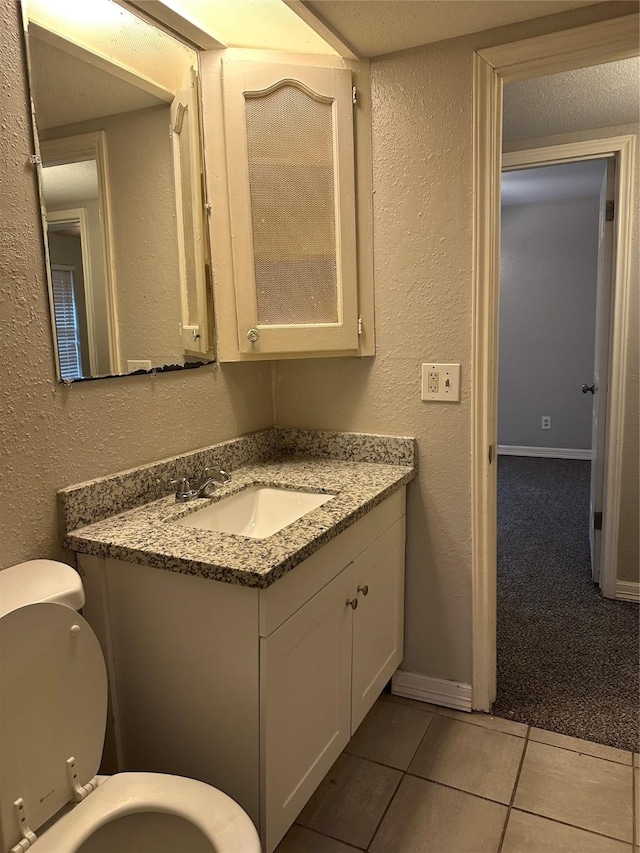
[54, 706]
[40, 580]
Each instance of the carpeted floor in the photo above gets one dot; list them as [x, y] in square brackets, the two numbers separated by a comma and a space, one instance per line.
[567, 658]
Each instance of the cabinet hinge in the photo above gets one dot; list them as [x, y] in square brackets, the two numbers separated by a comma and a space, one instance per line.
[359, 325]
[354, 94]
[610, 211]
[597, 521]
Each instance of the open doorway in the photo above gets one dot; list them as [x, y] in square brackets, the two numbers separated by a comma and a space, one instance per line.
[566, 657]
[606, 42]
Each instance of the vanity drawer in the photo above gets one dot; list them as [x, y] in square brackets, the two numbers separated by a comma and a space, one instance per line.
[279, 601]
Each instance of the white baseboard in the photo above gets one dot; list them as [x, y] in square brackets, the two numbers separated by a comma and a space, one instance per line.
[628, 590]
[437, 691]
[548, 452]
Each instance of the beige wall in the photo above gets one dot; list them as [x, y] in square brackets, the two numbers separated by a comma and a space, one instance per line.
[53, 436]
[423, 206]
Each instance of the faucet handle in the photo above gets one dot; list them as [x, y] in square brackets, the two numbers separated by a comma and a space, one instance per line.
[183, 490]
[217, 474]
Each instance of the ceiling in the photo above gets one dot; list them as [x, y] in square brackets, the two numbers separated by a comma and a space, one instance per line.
[553, 183]
[70, 183]
[598, 96]
[375, 27]
[67, 90]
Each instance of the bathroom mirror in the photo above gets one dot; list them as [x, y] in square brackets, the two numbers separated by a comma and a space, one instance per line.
[116, 117]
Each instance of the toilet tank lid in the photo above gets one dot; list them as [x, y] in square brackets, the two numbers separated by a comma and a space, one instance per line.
[40, 580]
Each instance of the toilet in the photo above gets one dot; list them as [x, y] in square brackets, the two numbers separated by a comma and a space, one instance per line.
[52, 724]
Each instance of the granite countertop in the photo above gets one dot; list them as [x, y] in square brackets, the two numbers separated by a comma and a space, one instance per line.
[147, 534]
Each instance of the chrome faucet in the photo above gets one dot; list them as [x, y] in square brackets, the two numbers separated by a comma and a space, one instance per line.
[213, 477]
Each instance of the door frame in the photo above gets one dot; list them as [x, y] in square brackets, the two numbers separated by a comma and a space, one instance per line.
[606, 41]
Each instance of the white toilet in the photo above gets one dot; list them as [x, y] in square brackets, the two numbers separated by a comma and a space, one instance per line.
[52, 723]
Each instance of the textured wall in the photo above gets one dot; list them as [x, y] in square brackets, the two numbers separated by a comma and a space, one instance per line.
[422, 138]
[548, 278]
[52, 436]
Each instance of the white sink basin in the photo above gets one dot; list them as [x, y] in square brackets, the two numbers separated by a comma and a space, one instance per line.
[257, 512]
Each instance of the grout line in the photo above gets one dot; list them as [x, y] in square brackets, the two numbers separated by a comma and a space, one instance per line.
[404, 773]
[580, 752]
[513, 793]
[574, 826]
[326, 835]
[384, 813]
[453, 788]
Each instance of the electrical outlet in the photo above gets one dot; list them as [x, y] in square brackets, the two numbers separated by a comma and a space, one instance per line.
[441, 382]
[546, 422]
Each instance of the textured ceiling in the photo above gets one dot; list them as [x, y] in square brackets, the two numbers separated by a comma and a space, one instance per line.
[374, 27]
[599, 96]
[67, 90]
[70, 183]
[553, 183]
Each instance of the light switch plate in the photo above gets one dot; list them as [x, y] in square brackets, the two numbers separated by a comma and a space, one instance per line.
[441, 382]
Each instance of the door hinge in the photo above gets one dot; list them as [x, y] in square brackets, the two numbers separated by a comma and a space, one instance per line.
[597, 521]
[359, 325]
[490, 454]
[610, 211]
[35, 159]
[354, 94]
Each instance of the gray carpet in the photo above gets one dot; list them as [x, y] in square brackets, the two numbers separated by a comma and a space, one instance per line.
[567, 658]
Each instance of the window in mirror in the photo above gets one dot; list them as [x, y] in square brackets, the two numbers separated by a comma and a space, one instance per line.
[116, 111]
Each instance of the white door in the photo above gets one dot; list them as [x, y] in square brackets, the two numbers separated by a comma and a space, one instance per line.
[598, 386]
[305, 704]
[378, 587]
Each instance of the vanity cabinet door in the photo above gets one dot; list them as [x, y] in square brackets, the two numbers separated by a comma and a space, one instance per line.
[305, 704]
[378, 584]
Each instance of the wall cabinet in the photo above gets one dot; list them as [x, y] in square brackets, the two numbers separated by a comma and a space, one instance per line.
[289, 180]
[254, 691]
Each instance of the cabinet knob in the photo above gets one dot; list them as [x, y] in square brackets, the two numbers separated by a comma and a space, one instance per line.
[253, 335]
[364, 589]
[352, 602]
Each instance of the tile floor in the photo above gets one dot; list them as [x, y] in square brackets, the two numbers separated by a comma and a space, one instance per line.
[416, 778]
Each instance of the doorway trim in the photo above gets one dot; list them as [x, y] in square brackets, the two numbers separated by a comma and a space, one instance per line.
[606, 41]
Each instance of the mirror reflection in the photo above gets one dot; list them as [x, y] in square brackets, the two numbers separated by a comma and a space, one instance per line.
[116, 110]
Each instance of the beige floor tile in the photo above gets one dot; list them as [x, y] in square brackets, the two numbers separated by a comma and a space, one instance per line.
[390, 734]
[509, 727]
[351, 800]
[532, 834]
[586, 747]
[302, 840]
[577, 789]
[429, 818]
[474, 759]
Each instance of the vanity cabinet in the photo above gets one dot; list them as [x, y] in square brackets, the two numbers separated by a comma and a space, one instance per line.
[256, 692]
[322, 670]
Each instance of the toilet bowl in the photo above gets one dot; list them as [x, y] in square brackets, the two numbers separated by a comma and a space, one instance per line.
[52, 725]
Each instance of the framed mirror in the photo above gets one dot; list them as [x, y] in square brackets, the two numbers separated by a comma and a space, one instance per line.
[115, 103]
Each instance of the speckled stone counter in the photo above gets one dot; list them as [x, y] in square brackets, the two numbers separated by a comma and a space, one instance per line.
[147, 534]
